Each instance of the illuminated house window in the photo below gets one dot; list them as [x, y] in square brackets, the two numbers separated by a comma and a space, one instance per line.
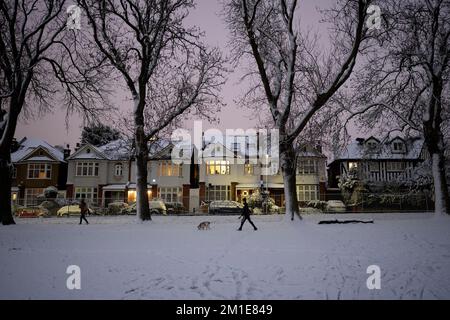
[169, 169]
[248, 169]
[353, 165]
[218, 167]
[39, 171]
[131, 196]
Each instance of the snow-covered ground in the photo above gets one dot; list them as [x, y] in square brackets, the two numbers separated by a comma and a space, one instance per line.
[169, 258]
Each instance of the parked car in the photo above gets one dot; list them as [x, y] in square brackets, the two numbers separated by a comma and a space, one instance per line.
[225, 207]
[335, 206]
[156, 207]
[116, 207]
[31, 212]
[175, 208]
[69, 210]
[73, 209]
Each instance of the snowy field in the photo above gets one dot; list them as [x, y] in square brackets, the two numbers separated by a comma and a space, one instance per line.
[169, 258]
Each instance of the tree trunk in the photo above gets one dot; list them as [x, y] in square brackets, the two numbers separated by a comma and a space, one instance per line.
[434, 140]
[288, 168]
[441, 196]
[142, 206]
[6, 216]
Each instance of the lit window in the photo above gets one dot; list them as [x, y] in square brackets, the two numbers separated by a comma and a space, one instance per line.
[353, 165]
[248, 169]
[39, 171]
[218, 167]
[169, 169]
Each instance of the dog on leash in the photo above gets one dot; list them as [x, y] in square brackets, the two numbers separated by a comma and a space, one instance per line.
[204, 225]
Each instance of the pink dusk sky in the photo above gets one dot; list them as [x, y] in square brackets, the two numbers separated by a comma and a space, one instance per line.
[52, 125]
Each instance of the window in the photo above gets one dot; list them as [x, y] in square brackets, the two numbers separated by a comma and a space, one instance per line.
[374, 166]
[218, 193]
[31, 195]
[118, 170]
[398, 146]
[39, 171]
[248, 169]
[371, 144]
[170, 194]
[89, 193]
[218, 167]
[353, 165]
[308, 166]
[236, 146]
[14, 172]
[169, 169]
[307, 192]
[87, 169]
[395, 166]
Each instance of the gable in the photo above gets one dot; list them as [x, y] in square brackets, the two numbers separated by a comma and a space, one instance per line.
[88, 152]
[40, 154]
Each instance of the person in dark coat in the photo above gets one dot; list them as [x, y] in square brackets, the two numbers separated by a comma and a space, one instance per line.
[246, 216]
[84, 210]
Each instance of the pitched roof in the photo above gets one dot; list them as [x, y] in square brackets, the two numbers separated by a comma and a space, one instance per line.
[28, 145]
[357, 150]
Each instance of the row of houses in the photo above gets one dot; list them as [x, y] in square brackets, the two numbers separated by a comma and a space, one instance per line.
[108, 173]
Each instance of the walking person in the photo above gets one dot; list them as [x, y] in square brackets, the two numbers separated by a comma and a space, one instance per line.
[84, 210]
[246, 216]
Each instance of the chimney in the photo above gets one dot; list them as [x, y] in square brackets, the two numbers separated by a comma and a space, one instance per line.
[77, 146]
[14, 145]
[360, 140]
[66, 152]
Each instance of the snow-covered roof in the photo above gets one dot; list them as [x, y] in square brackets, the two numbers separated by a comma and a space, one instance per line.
[359, 150]
[28, 145]
[116, 150]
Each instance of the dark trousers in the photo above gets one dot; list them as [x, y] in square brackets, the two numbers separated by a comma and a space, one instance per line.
[249, 220]
[83, 217]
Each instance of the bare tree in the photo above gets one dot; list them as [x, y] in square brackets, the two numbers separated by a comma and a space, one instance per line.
[37, 64]
[166, 69]
[405, 82]
[291, 77]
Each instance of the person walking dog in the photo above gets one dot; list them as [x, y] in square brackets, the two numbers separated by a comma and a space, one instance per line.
[246, 216]
[84, 210]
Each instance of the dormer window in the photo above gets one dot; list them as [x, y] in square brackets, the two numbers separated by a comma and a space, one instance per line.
[371, 145]
[398, 146]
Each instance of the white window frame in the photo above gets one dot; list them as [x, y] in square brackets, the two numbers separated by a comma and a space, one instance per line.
[170, 194]
[307, 192]
[87, 169]
[218, 192]
[39, 167]
[87, 193]
[118, 170]
[307, 166]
